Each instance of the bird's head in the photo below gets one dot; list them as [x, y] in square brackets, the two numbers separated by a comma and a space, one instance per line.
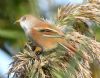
[27, 22]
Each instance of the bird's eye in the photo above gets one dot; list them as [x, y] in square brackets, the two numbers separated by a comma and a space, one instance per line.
[23, 18]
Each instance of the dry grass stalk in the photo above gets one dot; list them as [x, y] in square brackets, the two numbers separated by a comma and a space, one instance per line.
[49, 64]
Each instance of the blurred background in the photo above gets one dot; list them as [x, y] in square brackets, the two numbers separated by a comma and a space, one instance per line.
[12, 37]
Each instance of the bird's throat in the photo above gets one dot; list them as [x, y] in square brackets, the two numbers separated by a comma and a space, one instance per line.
[26, 27]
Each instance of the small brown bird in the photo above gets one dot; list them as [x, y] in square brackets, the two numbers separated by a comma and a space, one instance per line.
[43, 34]
[28, 22]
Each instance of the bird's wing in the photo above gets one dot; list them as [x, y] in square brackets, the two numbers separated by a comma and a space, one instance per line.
[48, 32]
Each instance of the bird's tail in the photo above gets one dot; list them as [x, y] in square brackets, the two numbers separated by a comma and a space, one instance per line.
[69, 46]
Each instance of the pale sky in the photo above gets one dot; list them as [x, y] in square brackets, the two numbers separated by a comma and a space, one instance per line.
[5, 60]
[66, 1]
[44, 3]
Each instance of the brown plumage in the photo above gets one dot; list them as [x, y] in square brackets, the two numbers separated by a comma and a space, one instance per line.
[31, 21]
[48, 43]
[43, 34]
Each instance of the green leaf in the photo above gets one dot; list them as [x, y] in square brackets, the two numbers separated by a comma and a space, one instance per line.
[12, 34]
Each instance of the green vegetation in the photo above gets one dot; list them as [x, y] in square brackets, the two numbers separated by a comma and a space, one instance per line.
[10, 11]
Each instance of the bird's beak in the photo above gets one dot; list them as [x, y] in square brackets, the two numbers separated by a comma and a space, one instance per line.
[17, 21]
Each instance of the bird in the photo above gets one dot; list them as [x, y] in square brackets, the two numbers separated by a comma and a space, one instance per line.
[29, 21]
[43, 34]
